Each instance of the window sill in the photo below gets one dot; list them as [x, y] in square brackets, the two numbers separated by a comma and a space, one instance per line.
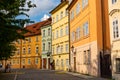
[114, 40]
[117, 72]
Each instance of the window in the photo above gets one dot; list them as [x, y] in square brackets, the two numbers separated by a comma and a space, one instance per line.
[29, 50]
[84, 3]
[18, 41]
[29, 61]
[43, 46]
[115, 29]
[77, 8]
[53, 35]
[49, 32]
[37, 39]
[78, 33]
[57, 49]
[13, 61]
[37, 49]
[72, 14]
[67, 30]
[61, 14]
[49, 46]
[57, 34]
[53, 20]
[61, 48]
[56, 18]
[18, 51]
[66, 12]
[114, 1]
[36, 60]
[17, 61]
[73, 36]
[87, 57]
[23, 61]
[24, 50]
[24, 41]
[53, 50]
[67, 62]
[86, 29]
[118, 65]
[61, 32]
[57, 62]
[62, 64]
[29, 40]
[43, 33]
[67, 48]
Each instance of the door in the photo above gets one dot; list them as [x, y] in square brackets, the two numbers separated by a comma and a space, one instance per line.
[105, 63]
[44, 63]
[75, 64]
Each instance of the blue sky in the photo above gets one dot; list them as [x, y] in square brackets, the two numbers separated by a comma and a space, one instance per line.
[43, 8]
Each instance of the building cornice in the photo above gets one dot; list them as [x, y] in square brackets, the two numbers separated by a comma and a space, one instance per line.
[58, 7]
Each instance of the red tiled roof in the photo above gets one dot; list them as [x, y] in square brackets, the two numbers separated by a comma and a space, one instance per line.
[34, 29]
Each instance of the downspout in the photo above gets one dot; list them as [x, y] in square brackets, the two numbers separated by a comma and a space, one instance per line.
[69, 41]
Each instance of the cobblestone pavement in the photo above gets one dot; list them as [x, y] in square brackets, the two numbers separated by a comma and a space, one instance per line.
[34, 74]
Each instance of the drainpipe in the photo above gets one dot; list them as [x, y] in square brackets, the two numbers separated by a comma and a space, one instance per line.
[69, 40]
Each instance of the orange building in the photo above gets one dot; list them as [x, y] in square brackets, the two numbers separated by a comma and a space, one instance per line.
[28, 54]
[89, 37]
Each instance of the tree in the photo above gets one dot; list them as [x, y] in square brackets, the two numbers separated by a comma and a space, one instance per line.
[11, 28]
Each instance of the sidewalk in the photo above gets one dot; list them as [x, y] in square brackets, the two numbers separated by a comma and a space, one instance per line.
[86, 76]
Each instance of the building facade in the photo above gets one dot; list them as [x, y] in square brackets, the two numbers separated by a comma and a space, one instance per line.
[114, 20]
[89, 37]
[28, 54]
[60, 36]
[46, 44]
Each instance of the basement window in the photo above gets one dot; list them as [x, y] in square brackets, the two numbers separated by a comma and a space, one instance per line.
[118, 65]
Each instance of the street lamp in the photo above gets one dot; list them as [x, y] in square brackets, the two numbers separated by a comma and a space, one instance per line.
[72, 48]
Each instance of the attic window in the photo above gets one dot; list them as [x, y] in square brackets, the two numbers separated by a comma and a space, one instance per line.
[38, 29]
[34, 27]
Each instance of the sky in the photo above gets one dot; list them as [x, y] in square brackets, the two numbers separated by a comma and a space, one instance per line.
[42, 10]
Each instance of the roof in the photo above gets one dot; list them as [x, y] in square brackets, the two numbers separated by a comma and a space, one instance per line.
[59, 6]
[34, 29]
[72, 4]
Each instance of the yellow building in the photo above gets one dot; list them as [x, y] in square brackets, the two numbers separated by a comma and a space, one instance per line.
[89, 37]
[114, 21]
[28, 54]
[60, 36]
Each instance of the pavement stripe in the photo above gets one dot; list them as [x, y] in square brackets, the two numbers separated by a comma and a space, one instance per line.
[15, 78]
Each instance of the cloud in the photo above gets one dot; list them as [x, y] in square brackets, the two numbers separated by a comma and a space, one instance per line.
[45, 17]
[43, 6]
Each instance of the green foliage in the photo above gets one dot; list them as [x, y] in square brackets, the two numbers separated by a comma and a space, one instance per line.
[11, 28]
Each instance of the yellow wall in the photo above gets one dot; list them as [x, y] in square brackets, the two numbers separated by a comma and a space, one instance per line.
[61, 40]
[16, 59]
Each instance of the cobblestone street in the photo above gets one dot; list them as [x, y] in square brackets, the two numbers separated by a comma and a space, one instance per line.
[32, 74]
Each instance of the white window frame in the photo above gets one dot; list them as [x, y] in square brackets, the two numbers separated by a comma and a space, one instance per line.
[29, 61]
[36, 60]
[61, 32]
[116, 32]
[86, 28]
[37, 49]
[67, 48]
[78, 33]
[78, 8]
[113, 1]
[67, 30]
[84, 3]
[24, 50]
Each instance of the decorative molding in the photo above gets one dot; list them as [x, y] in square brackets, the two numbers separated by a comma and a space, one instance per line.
[114, 11]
